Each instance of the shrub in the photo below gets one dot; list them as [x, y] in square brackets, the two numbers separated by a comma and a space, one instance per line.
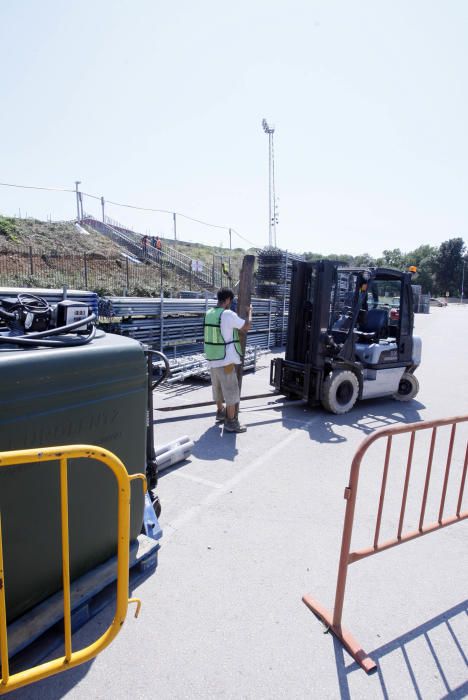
[8, 228]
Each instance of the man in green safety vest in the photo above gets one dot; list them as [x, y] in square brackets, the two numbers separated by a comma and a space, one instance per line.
[223, 352]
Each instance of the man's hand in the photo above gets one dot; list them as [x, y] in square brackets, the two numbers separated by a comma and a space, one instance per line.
[248, 324]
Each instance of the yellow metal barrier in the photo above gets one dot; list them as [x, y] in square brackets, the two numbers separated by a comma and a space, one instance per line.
[72, 658]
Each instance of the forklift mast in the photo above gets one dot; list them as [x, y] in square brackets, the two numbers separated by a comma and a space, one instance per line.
[309, 310]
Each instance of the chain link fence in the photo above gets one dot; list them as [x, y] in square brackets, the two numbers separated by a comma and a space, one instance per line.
[29, 267]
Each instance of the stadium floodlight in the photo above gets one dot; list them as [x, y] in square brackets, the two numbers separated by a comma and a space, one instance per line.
[272, 217]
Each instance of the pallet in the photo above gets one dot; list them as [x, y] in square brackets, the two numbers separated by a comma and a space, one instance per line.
[33, 636]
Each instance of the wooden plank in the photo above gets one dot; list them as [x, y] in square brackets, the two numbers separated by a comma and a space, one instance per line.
[244, 302]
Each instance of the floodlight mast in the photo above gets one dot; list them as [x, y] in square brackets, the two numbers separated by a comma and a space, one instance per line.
[272, 221]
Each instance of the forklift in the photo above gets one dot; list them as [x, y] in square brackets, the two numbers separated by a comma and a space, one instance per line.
[343, 344]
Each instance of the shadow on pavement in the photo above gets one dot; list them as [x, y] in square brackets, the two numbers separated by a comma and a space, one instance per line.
[367, 417]
[178, 389]
[215, 444]
[59, 685]
[438, 624]
[54, 687]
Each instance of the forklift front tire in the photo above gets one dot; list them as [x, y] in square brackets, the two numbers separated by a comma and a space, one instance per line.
[407, 388]
[340, 391]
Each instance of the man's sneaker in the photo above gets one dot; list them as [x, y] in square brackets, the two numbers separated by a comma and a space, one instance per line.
[221, 416]
[233, 426]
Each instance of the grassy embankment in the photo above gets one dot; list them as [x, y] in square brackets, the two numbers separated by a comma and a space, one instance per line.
[44, 254]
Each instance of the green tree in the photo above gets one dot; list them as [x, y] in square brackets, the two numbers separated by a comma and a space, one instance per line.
[310, 257]
[448, 266]
[393, 258]
[364, 260]
[414, 257]
[424, 260]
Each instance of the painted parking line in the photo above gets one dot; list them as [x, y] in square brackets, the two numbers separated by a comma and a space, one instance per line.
[177, 524]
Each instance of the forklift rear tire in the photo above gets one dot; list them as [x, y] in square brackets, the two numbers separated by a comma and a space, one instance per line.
[407, 388]
[340, 391]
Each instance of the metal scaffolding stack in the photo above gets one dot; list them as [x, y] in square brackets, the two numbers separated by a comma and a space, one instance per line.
[274, 272]
[274, 282]
[196, 365]
[176, 326]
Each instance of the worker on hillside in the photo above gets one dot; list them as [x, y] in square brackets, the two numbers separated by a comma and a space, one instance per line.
[144, 245]
[223, 352]
[225, 269]
[158, 246]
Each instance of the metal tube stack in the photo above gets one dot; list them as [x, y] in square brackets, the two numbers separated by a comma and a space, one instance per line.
[173, 452]
[176, 326]
[197, 366]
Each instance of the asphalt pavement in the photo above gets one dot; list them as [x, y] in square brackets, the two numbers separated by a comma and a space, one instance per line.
[252, 522]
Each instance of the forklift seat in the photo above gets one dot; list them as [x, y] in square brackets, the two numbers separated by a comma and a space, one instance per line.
[376, 322]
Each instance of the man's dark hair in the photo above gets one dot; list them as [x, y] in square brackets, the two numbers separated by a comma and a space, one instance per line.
[224, 294]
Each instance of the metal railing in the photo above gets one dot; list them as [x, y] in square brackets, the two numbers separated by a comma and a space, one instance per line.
[169, 255]
[347, 557]
[71, 658]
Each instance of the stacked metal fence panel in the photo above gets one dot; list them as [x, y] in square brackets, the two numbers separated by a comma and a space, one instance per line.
[421, 302]
[274, 272]
[264, 323]
[424, 305]
[188, 366]
[274, 282]
[175, 326]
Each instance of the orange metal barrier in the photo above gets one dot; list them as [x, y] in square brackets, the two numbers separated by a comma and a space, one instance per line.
[333, 620]
[72, 658]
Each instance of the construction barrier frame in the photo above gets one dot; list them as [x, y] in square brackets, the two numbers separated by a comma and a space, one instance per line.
[72, 658]
[333, 620]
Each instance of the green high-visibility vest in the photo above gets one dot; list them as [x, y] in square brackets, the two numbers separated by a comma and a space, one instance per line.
[215, 345]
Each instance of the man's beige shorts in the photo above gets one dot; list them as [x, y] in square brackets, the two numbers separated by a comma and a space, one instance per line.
[225, 385]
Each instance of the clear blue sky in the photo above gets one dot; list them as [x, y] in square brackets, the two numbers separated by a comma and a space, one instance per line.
[160, 104]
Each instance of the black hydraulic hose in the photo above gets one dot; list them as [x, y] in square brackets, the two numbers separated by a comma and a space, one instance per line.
[151, 463]
[6, 315]
[63, 329]
[26, 341]
[167, 368]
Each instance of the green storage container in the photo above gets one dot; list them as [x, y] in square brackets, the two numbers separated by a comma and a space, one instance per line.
[93, 394]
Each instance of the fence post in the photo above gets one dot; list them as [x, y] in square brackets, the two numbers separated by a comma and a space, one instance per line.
[85, 270]
[161, 322]
[284, 298]
[31, 268]
[269, 324]
[81, 207]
